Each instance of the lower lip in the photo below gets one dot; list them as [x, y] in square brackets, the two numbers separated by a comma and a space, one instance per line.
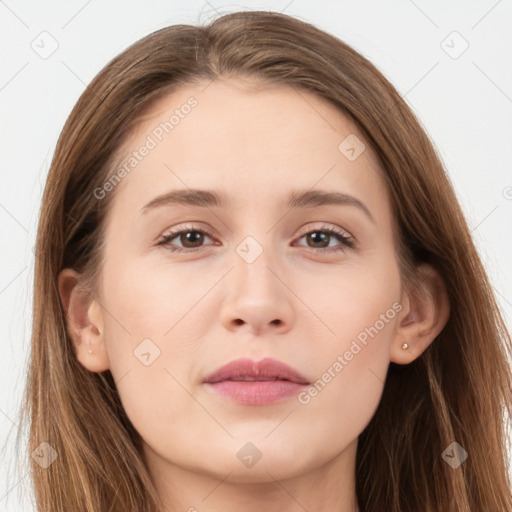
[256, 392]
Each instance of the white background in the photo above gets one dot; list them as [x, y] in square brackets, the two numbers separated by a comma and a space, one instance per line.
[464, 103]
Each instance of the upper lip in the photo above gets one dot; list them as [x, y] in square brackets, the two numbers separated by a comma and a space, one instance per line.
[245, 367]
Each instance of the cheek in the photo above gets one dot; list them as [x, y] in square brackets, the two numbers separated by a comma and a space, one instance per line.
[350, 374]
[352, 302]
[151, 342]
[351, 360]
[149, 301]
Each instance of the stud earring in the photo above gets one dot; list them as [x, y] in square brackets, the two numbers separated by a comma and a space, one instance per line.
[89, 351]
[405, 346]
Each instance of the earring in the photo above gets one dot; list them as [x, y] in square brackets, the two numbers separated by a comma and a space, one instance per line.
[405, 346]
[89, 351]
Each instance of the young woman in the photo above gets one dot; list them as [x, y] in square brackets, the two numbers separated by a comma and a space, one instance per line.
[255, 290]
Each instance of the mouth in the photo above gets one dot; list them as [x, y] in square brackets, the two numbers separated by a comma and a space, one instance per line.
[245, 381]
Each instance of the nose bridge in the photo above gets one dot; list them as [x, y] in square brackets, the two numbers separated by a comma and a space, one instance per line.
[256, 296]
[252, 265]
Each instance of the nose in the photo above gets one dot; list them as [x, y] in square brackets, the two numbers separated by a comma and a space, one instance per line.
[258, 300]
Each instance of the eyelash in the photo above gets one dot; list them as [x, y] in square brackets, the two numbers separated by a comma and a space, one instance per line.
[346, 241]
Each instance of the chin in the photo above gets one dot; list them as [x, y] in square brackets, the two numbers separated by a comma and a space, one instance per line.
[262, 472]
[259, 460]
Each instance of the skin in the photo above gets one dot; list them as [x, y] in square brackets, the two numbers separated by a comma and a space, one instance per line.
[204, 308]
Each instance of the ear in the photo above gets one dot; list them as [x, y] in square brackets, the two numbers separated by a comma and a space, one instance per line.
[84, 322]
[425, 313]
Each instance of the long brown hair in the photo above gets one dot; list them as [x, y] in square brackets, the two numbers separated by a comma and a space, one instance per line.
[458, 390]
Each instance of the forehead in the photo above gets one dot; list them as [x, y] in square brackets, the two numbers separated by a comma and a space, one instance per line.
[254, 140]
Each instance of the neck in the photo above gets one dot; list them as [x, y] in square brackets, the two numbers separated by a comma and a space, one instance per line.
[328, 488]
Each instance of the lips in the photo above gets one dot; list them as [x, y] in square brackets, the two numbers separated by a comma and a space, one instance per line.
[248, 382]
[247, 370]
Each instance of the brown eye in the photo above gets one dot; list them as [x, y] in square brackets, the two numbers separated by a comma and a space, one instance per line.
[189, 238]
[321, 238]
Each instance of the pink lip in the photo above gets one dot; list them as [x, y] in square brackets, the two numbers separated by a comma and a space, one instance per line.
[274, 380]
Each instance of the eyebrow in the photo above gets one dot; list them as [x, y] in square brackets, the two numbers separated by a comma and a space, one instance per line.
[297, 199]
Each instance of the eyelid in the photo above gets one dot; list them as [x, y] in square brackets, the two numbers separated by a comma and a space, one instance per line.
[308, 228]
[347, 241]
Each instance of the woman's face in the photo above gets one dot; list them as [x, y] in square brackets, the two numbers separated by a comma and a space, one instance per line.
[252, 277]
